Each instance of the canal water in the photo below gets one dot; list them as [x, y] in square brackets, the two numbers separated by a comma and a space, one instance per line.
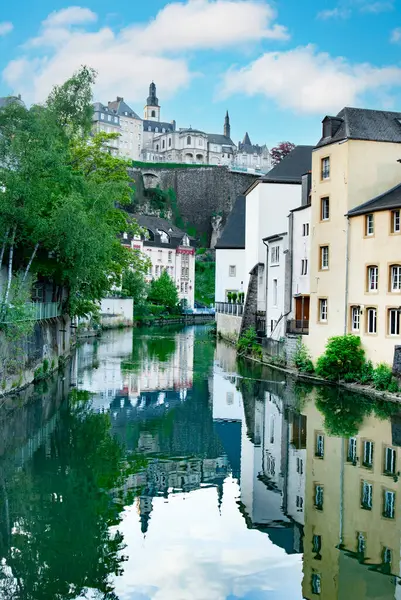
[159, 467]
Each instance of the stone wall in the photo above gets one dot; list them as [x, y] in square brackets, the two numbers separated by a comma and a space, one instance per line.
[201, 192]
[251, 301]
[228, 326]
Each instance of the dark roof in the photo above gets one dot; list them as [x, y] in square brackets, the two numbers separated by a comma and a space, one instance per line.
[233, 236]
[6, 100]
[121, 107]
[291, 168]
[153, 223]
[364, 124]
[217, 138]
[386, 201]
[159, 124]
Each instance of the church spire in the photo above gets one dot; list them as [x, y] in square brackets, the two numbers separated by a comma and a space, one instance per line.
[227, 127]
[152, 98]
[246, 140]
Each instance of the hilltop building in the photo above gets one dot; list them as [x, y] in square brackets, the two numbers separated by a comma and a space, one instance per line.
[252, 156]
[118, 117]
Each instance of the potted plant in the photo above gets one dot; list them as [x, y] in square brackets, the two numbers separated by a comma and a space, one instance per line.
[234, 297]
[229, 297]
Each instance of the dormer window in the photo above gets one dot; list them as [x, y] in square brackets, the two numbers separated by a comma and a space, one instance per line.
[185, 240]
[149, 128]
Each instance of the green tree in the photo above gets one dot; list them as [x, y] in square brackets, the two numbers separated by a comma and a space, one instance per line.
[135, 286]
[344, 355]
[163, 292]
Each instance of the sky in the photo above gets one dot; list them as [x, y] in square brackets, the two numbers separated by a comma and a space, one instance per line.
[278, 67]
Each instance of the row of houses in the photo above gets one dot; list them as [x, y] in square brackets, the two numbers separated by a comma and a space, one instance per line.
[315, 245]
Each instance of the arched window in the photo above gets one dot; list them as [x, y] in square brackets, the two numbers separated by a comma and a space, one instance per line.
[157, 147]
[156, 130]
[149, 128]
[189, 140]
[163, 130]
[169, 142]
[164, 144]
[153, 113]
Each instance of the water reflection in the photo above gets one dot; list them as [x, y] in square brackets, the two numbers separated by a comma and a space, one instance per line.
[172, 472]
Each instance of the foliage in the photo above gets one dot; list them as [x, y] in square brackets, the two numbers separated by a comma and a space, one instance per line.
[382, 377]
[248, 344]
[343, 354]
[136, 164]
[344, 412]
[280, 151]
[134, 286]
[302, 358]
[163, 292]
[229, 297]
[205, 274]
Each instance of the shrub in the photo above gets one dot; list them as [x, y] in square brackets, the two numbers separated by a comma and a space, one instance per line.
[229, 297]
[248, 344]
[302, 359]
[343, 355]
[367, 373]
[382, 377]
[393, 386]
[45, 366]
[234, 297]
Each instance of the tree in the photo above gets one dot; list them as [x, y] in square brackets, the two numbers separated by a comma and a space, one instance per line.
[163, 292]
[135, 286]
[280, 151]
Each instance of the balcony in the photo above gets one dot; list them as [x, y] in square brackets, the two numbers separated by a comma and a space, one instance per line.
[229, 308]
[298, 326]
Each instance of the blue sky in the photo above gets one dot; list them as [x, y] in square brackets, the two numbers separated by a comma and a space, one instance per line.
[278, 67]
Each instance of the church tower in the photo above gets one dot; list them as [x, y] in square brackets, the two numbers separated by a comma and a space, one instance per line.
[152, 108]
[227, 127]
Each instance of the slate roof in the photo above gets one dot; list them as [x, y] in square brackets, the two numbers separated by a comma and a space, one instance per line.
[291, 168]
[217, 138]
[153, 223]
[121, 107]
[366, 124]
[387, 201]
[159, 124]
[233, 236]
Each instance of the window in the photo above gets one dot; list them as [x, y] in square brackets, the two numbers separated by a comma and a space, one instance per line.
[355, 318]
[304, 266]
[373, 278]
[164, 144]
[361, 544]
[182, 286]
[153, 113]
[169, 142]
[395, 278]
[394, 321]
[389, 504]
[230, 398]
[102, 116]
[316, 544]
[232, 270]
[163, 130]
[109, 117]
[369, 225]
[115, 119]
[324, 257]
[272, 425]
[372, 320]
[351, 454]
[275, 255]
[186, 287]
[395, 221]
[274, 292]
[325, 168]
[125, 235]
[189, 140]
[315, 583]
[324, 209]
[299, 503]
[157, 147]
[367, 495]
[323, 310]
[300, 466]
[389, 461]
[319, 449]
[305, 229]
[170, 256]
[387, 556]
[157, 270]
[319, 497]
[367, 454]
[149, 128]
[156, 130]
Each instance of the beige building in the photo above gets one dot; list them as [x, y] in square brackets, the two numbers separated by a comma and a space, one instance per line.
[355, 160]
[118, 117]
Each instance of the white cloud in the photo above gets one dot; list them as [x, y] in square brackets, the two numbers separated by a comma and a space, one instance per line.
[334, 13]
[395, 35]
[128, 59]
[310, 82]
[377, 7]
[6, 27]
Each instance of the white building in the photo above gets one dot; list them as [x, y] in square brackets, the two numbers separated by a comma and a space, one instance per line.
[268, 202]
[252, 156]
[170, 249]
[230, 253]
[300, 235]
[118, 117]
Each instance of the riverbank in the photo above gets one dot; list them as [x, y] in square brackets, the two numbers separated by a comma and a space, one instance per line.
[358, 388]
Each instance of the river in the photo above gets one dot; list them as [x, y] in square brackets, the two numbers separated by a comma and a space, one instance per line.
[160, 467]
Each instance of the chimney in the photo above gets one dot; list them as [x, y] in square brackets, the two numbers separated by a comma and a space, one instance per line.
[119, 99]
[174, 124]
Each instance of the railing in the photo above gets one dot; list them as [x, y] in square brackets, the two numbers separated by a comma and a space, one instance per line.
[229, 308]
[36, 311]
[298, 326]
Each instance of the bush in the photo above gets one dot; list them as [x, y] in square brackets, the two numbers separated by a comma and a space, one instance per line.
[382, 377]
[343, 355]
[163, 292]
[248, 344]
[234, 297]
[367, 373]
[393, 386]
[302, 359]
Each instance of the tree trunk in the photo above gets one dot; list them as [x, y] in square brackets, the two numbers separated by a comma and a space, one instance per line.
[29, 264]
[3, 248]
[10, 269]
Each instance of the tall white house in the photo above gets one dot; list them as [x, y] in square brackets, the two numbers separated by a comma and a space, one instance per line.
[170, 250]
[118, 117]
[230, 253]
[268, 202]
